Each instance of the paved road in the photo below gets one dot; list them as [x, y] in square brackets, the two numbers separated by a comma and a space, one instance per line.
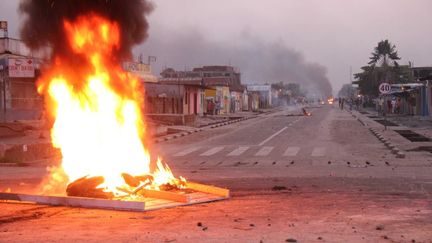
[341, 185]
[280, 145]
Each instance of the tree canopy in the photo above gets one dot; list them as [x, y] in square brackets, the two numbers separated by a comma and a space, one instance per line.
[382, 67]
[384, 52]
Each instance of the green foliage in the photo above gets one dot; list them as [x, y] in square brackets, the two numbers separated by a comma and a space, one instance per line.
[384, 51]
[389, 70]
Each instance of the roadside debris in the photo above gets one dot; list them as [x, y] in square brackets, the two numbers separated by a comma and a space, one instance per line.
[279, 188]
[379, 227]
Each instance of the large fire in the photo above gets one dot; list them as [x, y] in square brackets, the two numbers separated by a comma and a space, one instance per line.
[96, 109]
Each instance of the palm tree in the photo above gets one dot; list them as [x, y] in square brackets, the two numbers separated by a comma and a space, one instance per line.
[384, 52]
[383, 67]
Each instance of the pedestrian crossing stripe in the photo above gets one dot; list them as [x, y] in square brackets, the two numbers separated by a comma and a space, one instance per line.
[317, 152]
[186, 151]
[240, 150]
[264, 151]
[291, 151]
[212, 151]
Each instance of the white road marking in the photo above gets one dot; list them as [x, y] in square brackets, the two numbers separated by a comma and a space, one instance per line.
[272, 136]
[264, 151]
[291, 151]
[238, 151]
[212, 151]
[186, 151]
[318, 152]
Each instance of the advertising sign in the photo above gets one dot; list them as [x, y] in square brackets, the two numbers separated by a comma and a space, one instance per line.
[258, 87]
[21, 68]
[135, 67]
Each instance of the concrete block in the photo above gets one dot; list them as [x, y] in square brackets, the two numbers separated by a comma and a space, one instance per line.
[400, 155]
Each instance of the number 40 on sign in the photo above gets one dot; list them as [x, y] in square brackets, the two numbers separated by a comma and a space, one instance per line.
[384, 88]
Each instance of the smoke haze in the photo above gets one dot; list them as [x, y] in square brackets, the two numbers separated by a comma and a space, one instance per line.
[259, 61]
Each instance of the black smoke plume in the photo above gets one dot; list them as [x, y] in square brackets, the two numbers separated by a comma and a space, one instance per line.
[259, 61]
[44, 21]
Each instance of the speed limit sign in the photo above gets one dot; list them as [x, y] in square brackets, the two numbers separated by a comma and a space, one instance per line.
[384, 88]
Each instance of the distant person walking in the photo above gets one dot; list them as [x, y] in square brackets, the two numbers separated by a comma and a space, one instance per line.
[381, 105]
[389, 106]
[218, 107]
[398, 105]
[393, 102]
[211, 107]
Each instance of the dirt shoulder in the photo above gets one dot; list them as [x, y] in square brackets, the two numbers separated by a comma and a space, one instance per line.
[336, 210]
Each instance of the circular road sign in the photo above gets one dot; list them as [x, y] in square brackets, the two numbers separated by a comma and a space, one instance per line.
[384, 88]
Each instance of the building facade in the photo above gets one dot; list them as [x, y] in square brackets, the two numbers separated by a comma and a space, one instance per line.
[222, 86]
[19, 71]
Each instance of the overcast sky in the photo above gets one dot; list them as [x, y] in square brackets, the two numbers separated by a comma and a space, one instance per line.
[334, 34]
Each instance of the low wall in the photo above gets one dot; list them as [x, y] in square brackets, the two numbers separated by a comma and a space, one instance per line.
[172, 119]
[27, 152]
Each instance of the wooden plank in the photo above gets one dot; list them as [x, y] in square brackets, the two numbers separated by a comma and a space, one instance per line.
[196, 198]
[153, 199]
[171, 196]
[208, 189]
[75, 201]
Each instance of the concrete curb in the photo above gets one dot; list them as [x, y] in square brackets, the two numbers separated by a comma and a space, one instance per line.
[388, 144]
[210, 126]
[358, 118]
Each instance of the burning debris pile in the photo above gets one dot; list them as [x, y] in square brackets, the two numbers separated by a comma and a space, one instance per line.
[306, 113]
[95, 107]
[133, 185]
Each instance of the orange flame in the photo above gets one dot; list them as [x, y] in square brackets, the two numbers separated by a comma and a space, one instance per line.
[96, 107]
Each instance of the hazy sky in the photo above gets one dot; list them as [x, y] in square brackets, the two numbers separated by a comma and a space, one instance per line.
[336, 34]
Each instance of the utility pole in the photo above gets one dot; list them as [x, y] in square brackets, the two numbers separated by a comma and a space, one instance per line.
[3, 76]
